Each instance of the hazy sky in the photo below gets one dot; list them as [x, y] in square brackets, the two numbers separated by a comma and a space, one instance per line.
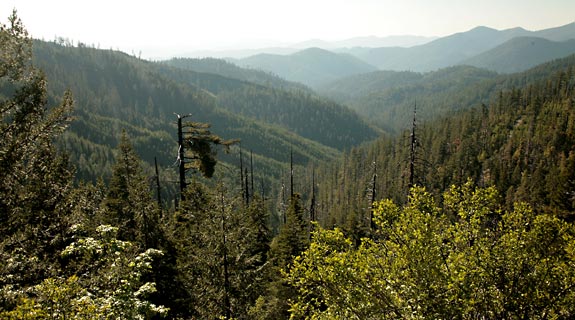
[159, 28]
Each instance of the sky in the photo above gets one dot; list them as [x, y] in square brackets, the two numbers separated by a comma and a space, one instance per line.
[155, 28]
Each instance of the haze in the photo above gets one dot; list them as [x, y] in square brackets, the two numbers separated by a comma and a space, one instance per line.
[170, 27]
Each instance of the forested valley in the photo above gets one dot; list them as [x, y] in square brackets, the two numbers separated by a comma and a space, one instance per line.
[197, 189]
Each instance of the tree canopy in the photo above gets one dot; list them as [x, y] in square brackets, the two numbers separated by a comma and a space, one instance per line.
[465, 259]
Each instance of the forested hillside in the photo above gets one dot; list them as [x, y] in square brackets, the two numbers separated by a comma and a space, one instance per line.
[292, 107]
[114, 91]
[521, 141]
[476, 217]
[112, 249]
[388, 98]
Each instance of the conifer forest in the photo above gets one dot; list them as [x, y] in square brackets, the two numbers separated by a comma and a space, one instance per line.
[330, 187]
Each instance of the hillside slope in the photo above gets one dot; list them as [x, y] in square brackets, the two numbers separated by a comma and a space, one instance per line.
[115, 92]
[390, 101]
[521, 140]
[299, 111]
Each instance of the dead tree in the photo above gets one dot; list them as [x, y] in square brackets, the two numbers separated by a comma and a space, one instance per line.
[372, 197]
[157, 178]
[412, 150]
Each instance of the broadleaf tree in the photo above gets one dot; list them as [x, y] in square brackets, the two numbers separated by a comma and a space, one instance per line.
[464, 259]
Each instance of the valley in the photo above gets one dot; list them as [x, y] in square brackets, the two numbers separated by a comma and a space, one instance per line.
[447, 161]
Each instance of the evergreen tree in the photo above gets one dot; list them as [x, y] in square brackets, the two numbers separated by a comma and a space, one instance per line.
[129, 203]
[34, 178]
[292, 240]
[221, 251]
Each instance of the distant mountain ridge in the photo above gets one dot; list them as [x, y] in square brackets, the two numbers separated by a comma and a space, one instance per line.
[338, 46]
[230, 70]
[440, 53]
[561, 33]
[366, 42]
[454, 49]
[313, 66]
[496, 50]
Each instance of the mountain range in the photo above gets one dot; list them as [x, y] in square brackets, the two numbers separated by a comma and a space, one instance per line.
[339, 45]
[455, 49]
[351, 105]
[503, 51]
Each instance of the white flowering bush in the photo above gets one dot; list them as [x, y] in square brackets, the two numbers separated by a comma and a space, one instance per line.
[108, 284]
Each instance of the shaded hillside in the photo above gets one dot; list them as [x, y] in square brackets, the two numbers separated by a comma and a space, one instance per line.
[230, 70]
[114, 91]
[298, 111]
[305, 114]
[312, 66]
[521, 53]
[522, 141]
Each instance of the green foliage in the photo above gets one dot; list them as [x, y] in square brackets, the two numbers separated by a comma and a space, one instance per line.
[201, 145]
[113, 271]
[293, 235]
[467, 259]
[469, 254]
[50, 267]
